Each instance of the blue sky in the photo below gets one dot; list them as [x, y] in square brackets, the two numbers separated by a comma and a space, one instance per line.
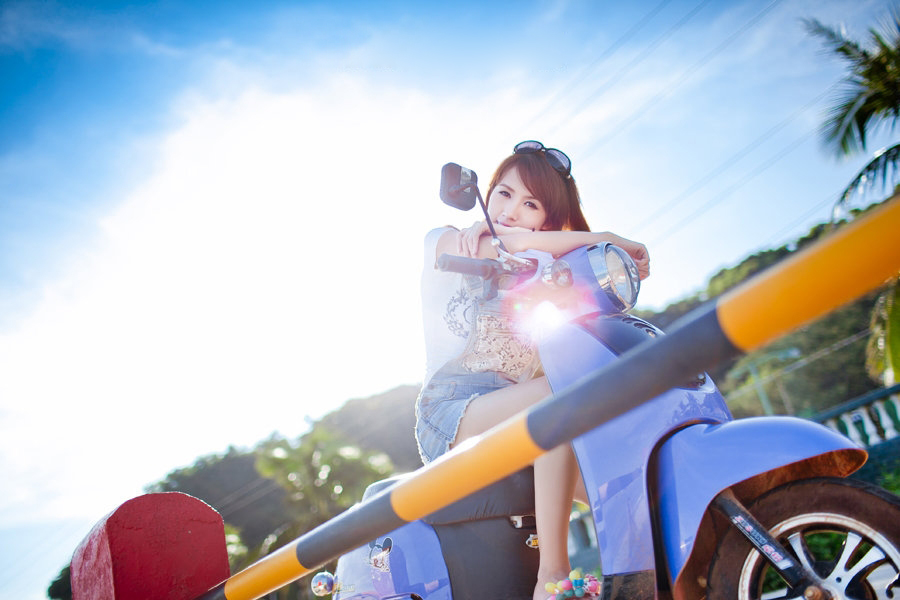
[207, 207]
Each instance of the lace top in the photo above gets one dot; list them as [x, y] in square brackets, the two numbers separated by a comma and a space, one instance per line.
[460, 325]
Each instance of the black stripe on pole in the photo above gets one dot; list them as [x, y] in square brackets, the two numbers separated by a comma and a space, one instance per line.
[695, 343]
[342, 533]
[328, 541]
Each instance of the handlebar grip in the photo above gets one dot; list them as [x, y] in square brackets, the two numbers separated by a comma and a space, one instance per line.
[482, 267]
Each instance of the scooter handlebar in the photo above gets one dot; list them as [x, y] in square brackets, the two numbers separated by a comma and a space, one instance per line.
[482, 267]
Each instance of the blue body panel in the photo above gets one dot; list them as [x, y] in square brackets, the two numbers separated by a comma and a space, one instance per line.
[414, 565]
[613, 457]
[700, 461]
[687, 434]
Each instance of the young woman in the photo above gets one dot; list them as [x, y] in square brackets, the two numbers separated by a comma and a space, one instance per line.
[469, 387]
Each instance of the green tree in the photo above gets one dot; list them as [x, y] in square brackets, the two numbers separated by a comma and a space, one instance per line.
[870, 98]
[61, 587]
[380, 423]
[808, 371]
[322, 474]
[726, 279]
[323, 477]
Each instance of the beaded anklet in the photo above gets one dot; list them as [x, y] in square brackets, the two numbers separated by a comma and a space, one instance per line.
[576, 586]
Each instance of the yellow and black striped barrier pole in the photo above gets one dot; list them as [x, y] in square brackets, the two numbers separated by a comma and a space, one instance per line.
[852, 261]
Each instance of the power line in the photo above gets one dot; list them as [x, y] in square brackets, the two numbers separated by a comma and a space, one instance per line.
[667, 90]
[40, 548]
[609, 82]
[750, 176]
[722, 167]
[826, 351]
[237, 494]
[737, 156]
[802, 362]
[603, 56]
[775, 238]
[251, 498]
[27, 559]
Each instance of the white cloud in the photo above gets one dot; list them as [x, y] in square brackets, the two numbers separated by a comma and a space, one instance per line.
[266, 271]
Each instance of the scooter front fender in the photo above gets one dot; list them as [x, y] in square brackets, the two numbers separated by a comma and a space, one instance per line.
[698, 462]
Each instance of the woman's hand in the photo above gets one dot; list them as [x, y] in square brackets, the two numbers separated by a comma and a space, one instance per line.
[638, 252]
[469, 239]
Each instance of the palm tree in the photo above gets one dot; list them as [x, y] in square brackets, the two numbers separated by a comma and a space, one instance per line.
[872, 91]
[870, 98]
[883, 350]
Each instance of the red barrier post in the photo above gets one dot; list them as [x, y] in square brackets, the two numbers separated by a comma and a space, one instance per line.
[167, 545]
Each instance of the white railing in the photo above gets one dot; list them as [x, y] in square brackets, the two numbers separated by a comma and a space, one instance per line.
[869, 419]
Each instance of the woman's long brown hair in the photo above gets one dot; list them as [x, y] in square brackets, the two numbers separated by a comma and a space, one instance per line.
[557, 194]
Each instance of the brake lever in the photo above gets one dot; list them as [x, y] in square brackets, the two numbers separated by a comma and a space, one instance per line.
[505, 256]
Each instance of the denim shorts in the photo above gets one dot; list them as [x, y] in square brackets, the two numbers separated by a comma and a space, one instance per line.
[442, 403]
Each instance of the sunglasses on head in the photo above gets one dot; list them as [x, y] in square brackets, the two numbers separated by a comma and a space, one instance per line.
[557, 158]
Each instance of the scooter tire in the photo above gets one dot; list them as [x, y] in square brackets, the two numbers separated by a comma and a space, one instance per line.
[846, 530]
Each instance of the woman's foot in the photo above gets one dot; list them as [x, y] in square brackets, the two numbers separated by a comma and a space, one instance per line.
[574, 585]
[542, 589]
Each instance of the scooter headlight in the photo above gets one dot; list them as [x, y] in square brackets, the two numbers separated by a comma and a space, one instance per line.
[616, 274]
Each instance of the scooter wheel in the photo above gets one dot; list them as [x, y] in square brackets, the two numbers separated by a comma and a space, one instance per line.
[846, 531]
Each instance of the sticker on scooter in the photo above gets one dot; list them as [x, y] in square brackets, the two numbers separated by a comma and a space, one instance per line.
[779, 560]
[378, 554]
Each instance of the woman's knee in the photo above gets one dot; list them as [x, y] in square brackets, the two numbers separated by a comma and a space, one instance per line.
[493, 408]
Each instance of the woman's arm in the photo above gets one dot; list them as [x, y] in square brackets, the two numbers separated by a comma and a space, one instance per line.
[558, 243]
[475, 241]
[472, 242]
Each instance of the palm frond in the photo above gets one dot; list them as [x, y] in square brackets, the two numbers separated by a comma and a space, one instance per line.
[871, 94]
[845, 128]
[882, 169]
[889, 28]
[839, 43]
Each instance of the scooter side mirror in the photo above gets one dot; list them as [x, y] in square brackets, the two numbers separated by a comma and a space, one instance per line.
[459, 186]
[459, 189]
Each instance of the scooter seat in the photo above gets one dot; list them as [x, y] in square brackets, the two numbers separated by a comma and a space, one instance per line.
[513, 495]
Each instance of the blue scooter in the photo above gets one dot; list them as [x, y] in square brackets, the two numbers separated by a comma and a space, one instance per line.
[687, 503]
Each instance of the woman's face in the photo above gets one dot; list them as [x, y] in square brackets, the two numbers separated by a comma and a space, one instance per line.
[512, 205]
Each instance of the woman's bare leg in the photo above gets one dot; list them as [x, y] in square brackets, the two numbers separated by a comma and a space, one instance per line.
[492, 409]
[555, 474]
[554, 484]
